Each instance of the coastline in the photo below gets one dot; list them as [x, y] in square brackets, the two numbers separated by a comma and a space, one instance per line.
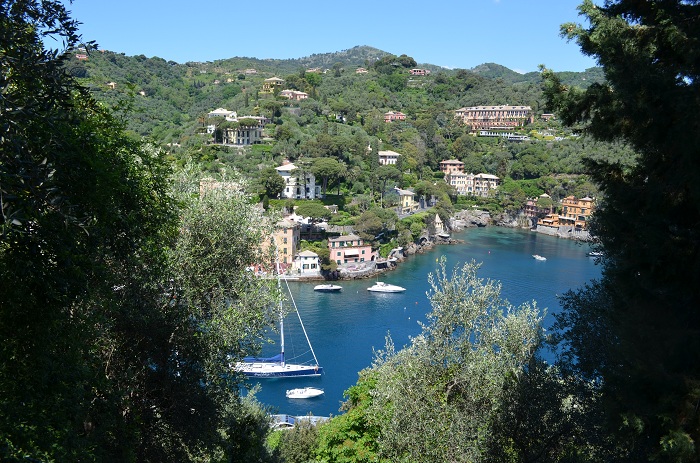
[460, 221]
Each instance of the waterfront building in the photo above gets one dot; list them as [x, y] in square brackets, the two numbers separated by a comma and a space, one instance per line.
[575, 214]
[491, 117]
[350, 248]
[306, 263]
[533, 206]
[286, 238]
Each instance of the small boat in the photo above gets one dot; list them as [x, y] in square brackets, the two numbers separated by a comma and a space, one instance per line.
[304, 393]
[381, 287]
[595, 254]
[538, 257]
[328, 288]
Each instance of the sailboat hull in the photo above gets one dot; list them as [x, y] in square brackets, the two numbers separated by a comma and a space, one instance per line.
[277, 370]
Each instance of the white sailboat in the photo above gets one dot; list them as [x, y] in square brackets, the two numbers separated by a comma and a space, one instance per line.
[277, 367]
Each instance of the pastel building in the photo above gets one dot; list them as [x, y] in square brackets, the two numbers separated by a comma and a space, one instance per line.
[575, 214]
[407, 203]
[350, 248]
[286, 238]
[392, 116]
[492, 117]
[298, 184]
[306, 263]
[269, 85]
[468, 184]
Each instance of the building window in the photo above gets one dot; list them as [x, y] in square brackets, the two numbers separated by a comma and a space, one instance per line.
[285, 240]
[339, 253]
[284, 251]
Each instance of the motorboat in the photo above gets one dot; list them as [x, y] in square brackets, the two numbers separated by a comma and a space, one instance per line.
[538, 257]
[381, 287]
[328, 288]
[595, 254]
[304, 393]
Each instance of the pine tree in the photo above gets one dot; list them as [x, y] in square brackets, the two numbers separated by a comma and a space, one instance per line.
[648, 223]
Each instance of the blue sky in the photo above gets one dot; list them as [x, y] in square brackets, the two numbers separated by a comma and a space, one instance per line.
[518, 34]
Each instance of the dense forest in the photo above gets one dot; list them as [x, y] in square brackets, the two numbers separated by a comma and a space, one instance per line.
[125, 294]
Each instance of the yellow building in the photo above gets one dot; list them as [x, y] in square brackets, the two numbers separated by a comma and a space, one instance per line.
[574, 213]
[269, 85]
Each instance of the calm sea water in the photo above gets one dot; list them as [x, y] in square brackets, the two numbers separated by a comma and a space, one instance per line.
[345, 328]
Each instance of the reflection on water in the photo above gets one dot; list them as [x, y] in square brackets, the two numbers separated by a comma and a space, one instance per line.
[345, 328]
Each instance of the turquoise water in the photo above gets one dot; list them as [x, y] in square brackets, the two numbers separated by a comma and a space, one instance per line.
[345, 327]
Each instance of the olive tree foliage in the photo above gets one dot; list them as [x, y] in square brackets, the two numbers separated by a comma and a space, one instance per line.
[221, 237]
[433, 399]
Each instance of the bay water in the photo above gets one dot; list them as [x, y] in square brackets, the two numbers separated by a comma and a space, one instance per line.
[345, 328]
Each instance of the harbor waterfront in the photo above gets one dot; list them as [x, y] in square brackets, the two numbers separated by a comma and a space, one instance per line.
[346, 327]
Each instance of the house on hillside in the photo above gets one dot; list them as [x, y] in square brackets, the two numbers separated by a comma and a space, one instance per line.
[407, 203]
[392, 116]
[294, 95]
[494, 117]
[269, 85]
[298, 184]
[388, 157]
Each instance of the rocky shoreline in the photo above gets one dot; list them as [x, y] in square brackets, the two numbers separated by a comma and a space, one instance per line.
[460, 221]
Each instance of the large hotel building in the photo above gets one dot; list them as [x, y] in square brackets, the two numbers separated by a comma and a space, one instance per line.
[494, 117]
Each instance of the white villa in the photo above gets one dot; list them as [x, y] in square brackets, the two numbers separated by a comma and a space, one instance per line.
[298, 186]
[388, 157]
[306, 263]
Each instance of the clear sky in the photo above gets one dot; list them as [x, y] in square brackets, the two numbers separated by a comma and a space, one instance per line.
[518, 34]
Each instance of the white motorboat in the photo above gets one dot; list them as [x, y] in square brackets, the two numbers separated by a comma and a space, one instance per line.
[538, 257]
[381, 287]
[304, 393]
[328, 288]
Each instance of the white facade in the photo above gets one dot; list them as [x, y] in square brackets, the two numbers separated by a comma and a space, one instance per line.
[296, 185]
[387, 158]
[306, 263]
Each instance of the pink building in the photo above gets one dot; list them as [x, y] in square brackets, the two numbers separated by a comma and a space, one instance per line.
[419, 72]
[451, 166]
[392, 116]
[490, 117]
[350, 248]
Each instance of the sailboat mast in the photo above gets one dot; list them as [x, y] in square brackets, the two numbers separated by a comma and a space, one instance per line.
[279, 286]
[301, 323]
